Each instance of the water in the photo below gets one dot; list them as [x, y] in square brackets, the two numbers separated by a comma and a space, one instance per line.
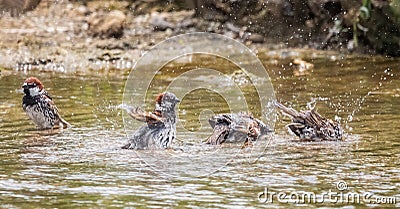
[84, 166]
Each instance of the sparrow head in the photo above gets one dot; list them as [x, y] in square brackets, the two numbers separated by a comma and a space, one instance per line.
[167, 100]
[32, 86]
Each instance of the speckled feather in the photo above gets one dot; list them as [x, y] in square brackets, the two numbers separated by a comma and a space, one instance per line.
[160, 129]
[40, 108]
[310, 125]
[236, 127]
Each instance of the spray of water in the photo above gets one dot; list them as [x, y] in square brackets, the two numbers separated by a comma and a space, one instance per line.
[383, 81]
[358, 103]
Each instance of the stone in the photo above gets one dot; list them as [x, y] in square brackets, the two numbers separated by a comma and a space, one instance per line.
[159, 23]
[256, 38]
[110, 25]
[16, 7]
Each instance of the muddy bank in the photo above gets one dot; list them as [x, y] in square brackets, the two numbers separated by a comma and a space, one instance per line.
[371, 27]
[72, 35]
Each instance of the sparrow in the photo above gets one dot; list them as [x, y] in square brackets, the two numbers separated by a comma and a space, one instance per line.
[309, 125]
[236, 127]
[39, 105]
[160, 129]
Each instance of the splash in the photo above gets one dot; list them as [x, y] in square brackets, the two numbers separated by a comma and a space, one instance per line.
[383, 81]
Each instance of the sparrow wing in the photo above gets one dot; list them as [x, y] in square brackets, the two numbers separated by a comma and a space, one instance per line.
[221, 125]
[53, 107]
[143, 116]
[313, 118]
[326, 128]
[219, 134]
[154, 118]
[254, 130]
[296, 128]
[289, 111]
[220, 119]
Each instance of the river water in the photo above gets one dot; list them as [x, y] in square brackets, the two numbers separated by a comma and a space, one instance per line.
[84, 166]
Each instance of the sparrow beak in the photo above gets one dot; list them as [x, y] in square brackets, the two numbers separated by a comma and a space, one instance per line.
[177, 100]
[25, 88]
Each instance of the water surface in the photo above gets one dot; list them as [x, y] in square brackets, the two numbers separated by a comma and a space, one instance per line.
[85, 167]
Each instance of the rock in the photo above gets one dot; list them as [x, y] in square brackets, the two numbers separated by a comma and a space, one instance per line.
[301, 67]
[106, 5]
[252, 37]
[113, 59]
[114, 45]
[82, 11]
[41, 64]
[107, 26]
[230, 26]
[15, 7]
[231, 34]
[214, 27]
[186, 23]
[159, 23]
[256, 38]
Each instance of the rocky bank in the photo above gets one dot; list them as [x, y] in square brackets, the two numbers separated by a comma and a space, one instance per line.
[70, 35]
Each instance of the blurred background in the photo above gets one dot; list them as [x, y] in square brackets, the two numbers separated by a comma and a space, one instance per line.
[367, 26]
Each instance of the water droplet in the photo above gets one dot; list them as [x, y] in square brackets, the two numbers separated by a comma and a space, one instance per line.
[350, 118]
